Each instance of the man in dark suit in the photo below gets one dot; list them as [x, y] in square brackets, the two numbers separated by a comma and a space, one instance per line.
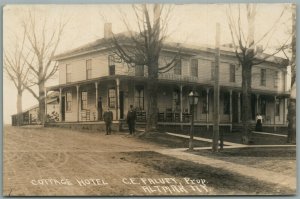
[108, 117]
[131, 117]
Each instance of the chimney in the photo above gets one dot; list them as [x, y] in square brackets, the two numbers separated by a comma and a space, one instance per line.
[107, 30]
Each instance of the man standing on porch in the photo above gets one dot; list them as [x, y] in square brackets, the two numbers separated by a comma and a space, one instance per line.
[108, 117]
[131, 117]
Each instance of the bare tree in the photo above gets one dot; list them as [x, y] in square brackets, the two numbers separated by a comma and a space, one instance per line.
[15, 68]
[247, 55]
[143, 48]
[292, 101]
[43, 40]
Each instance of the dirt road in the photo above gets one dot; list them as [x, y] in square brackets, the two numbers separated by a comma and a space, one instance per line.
[60, 162]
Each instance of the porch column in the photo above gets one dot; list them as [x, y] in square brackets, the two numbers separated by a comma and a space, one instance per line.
[239, 107]
[257, 99]
[275, 113]
[207, 109]
[181, 103]
[60, 102]
[230, 109]
[117, 98]
[284, 111]
[96, 100]
[77, 95]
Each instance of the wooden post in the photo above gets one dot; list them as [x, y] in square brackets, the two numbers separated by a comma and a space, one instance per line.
[117, 98]
[45, 116]
[275, 99]
[257, 100]
[207, 108]
[180, 103]
[77, 95]
[216, 92]
[239, 107]
[230, 109]
[96, 100]
[60, 103]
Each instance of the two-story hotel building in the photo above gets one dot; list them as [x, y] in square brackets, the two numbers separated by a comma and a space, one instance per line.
[92, 79]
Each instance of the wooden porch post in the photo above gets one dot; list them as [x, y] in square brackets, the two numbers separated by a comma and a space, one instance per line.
[207, 109]
[77, 95]
[239, 107]
[60, 107]
[275, 113]
[230, 109]
[117, 98]
[96, 100]
[181, 103]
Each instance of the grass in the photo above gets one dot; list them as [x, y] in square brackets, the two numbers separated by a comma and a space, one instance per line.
[170, 141]
[222, 182]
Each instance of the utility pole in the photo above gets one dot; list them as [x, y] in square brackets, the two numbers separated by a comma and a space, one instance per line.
[216, 92]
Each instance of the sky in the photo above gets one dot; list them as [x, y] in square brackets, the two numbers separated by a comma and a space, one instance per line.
[188, 23]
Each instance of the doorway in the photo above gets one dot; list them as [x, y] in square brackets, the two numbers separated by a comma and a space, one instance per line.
[63, 108]
[121, 96]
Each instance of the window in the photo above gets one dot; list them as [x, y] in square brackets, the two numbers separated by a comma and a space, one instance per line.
[112, 98]
[204, 102]
[226, 104]
[68, 73]
[139, 98]
[177, 67]
[83, 100]
[176, 100]
[111, 65]
[232, 73]
[212, 70]
[88, 69]
[194, 67]
[69, 101]
[276, 79]
[263, 77]
[277, 107]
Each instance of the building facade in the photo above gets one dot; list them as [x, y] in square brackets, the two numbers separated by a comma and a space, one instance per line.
[92, 79]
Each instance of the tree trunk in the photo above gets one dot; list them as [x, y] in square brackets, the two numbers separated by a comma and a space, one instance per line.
[42, 102]
[151, 124]
[292, 121]
[246, 106]
[19, 108]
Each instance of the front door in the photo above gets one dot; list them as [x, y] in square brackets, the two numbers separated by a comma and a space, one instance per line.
[121, 95]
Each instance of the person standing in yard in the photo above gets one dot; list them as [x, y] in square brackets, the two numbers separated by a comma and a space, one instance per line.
[131, 117]
[258, 126]
[108, 117]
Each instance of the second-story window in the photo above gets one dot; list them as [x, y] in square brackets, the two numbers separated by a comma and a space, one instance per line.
[232, 73]
[88, 69]
[263, 77]
[212, 70]
[276, 79]
[194, 67]
[68, 73]
[111, 65]
[111, 98]
[177, 67]
[69, 101]
[83, 100]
